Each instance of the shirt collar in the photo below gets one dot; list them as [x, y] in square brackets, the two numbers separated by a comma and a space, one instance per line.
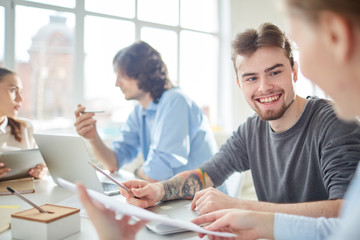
[152, 108]
[4, 125]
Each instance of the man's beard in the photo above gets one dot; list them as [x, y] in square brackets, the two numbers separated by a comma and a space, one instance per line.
[270, 115]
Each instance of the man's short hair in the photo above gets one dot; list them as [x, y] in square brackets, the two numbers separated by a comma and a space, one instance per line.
[267, 35]
[143, 63]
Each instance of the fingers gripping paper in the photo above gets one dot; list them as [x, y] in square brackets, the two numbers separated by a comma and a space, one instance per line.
[141, 213]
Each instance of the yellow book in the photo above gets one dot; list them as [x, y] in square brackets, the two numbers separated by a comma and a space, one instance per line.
[22, 185]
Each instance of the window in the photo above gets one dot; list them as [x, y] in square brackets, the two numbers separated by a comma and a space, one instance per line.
[122, 8]
[205, 19]
[159, 11]
[164, 41]
[67, 3]
[2, 39]
[64, 54]
[101, 44]
[199, 71]
[44, 61]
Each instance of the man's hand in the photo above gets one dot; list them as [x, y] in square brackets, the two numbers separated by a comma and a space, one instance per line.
[148, 193]
[39, 171]
[3, 170]
[85, 124]
[104, 221]
[211, 199]
[246, 224]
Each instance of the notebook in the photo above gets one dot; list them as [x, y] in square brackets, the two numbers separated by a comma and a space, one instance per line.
[175, 209]
[20, 161]
[22, 185]
[67, 157]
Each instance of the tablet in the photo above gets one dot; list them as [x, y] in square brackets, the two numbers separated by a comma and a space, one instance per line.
[20, 161]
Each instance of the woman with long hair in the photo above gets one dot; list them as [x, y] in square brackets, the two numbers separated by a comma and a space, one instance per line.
[15, 133]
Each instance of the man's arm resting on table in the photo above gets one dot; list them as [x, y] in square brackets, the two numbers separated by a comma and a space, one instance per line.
[185, 184]
[326, 208]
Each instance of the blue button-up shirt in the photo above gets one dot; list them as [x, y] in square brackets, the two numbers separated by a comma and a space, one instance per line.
[174, 135]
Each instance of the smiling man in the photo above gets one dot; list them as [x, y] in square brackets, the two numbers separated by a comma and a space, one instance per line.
[301, 156]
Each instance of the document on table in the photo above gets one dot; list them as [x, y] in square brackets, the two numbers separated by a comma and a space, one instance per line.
[127, 209]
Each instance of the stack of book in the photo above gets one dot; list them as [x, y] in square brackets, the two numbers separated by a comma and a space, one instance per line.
[22, 185]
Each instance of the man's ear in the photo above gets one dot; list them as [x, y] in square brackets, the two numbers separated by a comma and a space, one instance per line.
[295, 72]
[339, 35]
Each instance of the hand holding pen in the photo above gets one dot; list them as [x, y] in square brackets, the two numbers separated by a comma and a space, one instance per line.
[85, 123]
[113, 179]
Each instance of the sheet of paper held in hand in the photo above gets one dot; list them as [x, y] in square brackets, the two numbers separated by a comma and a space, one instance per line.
[141, 213]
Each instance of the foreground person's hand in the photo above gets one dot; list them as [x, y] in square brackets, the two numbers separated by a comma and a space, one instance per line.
[246, 224]
[104, 221]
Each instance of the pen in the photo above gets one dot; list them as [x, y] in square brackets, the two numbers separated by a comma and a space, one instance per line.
[113, 179]
[26, 200]
[93, 111]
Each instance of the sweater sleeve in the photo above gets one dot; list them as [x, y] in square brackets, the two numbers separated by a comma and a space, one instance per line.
[231, 157]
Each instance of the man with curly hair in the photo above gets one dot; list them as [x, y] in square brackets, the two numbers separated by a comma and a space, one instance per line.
[167, 126]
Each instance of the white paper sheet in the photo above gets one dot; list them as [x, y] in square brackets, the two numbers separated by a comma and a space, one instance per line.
[131, 210]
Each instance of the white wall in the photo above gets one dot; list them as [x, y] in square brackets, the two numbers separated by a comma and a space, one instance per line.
[247, 14]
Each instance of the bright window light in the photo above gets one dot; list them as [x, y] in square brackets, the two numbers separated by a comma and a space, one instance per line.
[2, 38]
[198, 69]
[44, 61]
[101, 44]
[159, 11]
[66, 3]
[122, 8]
[165, 42]
[199, 15]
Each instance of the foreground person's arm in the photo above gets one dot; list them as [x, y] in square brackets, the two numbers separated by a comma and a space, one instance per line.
[104, 221]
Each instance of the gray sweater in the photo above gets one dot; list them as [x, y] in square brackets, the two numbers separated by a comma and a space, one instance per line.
[313, 160]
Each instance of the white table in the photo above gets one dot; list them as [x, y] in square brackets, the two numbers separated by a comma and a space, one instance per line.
[47, 192]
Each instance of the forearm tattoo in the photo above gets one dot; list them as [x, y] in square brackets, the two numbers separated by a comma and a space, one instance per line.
[183, 186]
[172, 189]
[192, 185]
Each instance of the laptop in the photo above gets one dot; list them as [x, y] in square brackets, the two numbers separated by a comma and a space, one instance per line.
[20, 161]
[68, 157]
[175, 209]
